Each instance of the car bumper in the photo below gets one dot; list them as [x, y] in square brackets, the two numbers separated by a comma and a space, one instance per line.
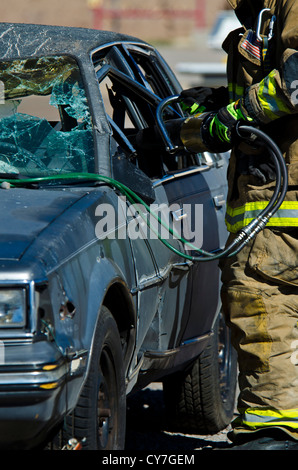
[32, 394]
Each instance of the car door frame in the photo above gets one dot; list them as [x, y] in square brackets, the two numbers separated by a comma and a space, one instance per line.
[190, 328]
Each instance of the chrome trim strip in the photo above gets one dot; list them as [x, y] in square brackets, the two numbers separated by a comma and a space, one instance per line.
[32, 310]
[34, 377]
[181, 174]
[171, 352]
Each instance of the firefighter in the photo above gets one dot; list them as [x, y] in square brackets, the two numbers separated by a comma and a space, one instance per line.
[260, 284]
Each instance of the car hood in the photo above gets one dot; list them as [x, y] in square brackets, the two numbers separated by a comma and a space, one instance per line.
[26, 213]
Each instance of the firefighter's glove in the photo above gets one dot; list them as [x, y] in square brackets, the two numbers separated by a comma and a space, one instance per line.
[222, 126]
[201, 99]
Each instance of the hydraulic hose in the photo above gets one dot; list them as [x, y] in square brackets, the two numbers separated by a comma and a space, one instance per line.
[279, 163]
[244, 235]
[193, 136]
[278, 196]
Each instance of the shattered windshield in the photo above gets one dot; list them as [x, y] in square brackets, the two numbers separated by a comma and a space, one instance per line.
[45, 123]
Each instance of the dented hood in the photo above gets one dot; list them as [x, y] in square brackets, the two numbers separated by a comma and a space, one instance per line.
[26, 214]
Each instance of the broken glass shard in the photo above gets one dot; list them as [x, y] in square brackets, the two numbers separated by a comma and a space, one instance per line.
[45, 122]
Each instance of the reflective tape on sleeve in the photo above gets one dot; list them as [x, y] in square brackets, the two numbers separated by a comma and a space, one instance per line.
[286, 216]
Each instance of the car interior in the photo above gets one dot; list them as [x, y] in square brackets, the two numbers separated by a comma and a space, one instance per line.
[131, 89]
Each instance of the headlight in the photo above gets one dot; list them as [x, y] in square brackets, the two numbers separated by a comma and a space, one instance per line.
[12, 308]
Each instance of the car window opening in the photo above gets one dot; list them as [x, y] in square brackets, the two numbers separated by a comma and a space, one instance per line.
[133, 115]
[45, 123]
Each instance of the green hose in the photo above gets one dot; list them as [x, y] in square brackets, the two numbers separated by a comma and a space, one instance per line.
[242, 238]
[133, 199]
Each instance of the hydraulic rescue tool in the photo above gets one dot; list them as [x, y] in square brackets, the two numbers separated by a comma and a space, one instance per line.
[192, 133]
[192, 136]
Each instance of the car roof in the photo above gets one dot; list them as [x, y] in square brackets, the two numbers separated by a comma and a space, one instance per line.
[29, 40]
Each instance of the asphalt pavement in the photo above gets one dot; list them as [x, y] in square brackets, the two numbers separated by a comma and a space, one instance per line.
[147, 427]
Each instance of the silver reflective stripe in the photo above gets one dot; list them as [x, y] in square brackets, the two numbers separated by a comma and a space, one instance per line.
[286, 216]
[255, 418]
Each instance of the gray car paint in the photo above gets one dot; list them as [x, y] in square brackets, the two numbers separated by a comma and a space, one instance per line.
[167, 305]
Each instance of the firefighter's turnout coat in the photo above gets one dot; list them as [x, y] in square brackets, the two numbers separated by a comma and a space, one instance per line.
[263, 67]
[260, 284]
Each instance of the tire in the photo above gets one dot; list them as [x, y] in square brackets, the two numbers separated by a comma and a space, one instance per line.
[99, 419]
[202, 398]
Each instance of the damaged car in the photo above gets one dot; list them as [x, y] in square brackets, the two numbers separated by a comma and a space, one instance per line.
[95, 304]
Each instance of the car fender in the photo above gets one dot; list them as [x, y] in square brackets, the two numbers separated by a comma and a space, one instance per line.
[105, 276]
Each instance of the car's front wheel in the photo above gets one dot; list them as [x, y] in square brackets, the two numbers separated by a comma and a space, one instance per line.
[99, 419]
[201, 399]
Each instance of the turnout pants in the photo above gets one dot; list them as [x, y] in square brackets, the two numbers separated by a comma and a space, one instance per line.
[260, 304]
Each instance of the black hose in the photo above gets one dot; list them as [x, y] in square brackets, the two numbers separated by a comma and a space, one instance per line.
[254, 227]
[243, 236]
[251, 135]
[280, 165]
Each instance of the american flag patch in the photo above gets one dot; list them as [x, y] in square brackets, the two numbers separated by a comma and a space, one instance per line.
[252, 45]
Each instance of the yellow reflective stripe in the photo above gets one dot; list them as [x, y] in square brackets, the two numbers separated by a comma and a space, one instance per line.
[256, 418]
[237, 218]
[273, 222]
[260, 424]
[264, 101]
[249, 206]
[259, 205]
[273, 106]
[235, 91]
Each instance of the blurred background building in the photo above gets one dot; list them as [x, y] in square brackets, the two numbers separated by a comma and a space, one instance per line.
[161, 21]
[188, 33]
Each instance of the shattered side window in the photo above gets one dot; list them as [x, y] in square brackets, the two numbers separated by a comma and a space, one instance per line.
[45, 123]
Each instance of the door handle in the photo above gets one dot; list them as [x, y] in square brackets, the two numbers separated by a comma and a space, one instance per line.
[179, 215]
[219, 200]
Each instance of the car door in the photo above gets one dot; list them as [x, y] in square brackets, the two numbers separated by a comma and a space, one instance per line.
[201, 193]
[197, 184]
[161, 275]
[132, 79]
